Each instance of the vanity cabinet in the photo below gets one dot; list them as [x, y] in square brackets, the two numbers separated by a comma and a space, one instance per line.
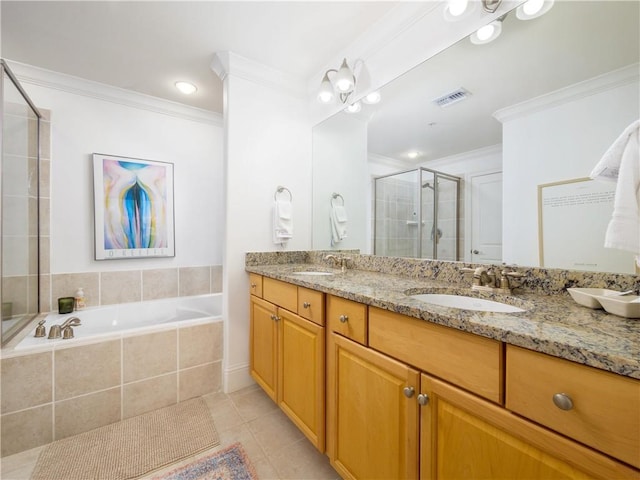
[287, 352]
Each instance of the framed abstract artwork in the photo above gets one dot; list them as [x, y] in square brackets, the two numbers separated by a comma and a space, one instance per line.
[133, 201]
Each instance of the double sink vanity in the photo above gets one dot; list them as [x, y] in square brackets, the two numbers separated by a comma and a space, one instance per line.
[382, 372]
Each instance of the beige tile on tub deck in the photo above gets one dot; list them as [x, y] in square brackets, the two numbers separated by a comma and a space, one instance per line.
[200, 344]
[26, 429]
[26, 381]
[216, 278]
[146, 395]
[159, 283]
[66, 284]
[197, 381]
[84, 413]
[120, 287]
[194, 281]
[87, 368]
[149, 355]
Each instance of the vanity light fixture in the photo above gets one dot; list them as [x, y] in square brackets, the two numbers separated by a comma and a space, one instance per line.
[343, 83]
[186, 87]
[533, 9]
[488, 33]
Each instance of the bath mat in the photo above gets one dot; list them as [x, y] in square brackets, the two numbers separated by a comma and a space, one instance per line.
[231, 463]
[132, 447]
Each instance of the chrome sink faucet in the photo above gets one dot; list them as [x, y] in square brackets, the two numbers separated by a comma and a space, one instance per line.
[488, 279]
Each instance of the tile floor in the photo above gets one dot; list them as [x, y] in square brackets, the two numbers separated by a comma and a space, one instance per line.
[276, 447]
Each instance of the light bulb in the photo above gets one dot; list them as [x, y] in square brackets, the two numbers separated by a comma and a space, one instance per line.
[354, 107]
[531, 7]
[345, 81]
[413, 155]
[485, 32]
[457, 7]
[325, 94]
[372, 98]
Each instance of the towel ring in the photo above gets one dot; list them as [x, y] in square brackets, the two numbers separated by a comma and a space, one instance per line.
[335, 196]
[281, 189]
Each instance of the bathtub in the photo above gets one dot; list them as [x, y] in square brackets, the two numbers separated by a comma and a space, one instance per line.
[98, 323]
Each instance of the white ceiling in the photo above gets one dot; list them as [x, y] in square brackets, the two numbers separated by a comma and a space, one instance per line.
[147, 46]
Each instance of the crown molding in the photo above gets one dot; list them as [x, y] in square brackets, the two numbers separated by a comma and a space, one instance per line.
[389, 161]
[608, 81]
[479, 153]
[225, 64]
[28, 74]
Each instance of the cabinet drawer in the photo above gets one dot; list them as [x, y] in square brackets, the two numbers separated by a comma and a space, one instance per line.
[311, 305]
[464, 359]
[255, 284]
[283, 294]
[348, 318]
[605, 412]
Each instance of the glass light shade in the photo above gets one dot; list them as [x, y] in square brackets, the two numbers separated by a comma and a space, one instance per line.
[457, 7]
[487, 34]
[354, 107]
[186, 87]
[344, 80]
[325, 94]
[372, 98]
[533, 9]
[456, 10]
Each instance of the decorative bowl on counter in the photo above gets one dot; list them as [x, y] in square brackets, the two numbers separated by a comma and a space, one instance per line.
[627, 306]
[589, 297]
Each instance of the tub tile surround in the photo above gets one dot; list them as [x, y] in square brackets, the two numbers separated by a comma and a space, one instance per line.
[552, 323]
[71, 389]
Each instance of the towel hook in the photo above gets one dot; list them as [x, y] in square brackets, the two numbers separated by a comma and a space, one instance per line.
[335, 196]
[281, 189]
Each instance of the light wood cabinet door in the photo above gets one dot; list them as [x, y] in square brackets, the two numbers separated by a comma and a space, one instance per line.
[372, 425]
[463, 436]
[301, 378]
[263, 345]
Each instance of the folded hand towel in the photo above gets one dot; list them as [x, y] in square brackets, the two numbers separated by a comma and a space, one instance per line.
[623, 232]
[282, 221]
[608, 167]
[338, 220]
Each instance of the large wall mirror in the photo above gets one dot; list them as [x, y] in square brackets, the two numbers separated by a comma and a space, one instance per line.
[542, 103]
[20, 140]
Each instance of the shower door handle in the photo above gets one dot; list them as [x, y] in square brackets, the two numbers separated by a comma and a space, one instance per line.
[475, 252]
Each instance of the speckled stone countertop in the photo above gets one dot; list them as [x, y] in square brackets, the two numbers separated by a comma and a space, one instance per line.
[551, 323]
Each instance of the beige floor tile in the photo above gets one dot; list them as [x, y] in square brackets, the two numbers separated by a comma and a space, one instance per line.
[246, 438]
[274, 431]
[19, 465]
[265, 470]
[303, 461]
[252, 404]
[223, 412]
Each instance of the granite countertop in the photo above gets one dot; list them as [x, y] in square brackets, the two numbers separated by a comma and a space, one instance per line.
[551, 324]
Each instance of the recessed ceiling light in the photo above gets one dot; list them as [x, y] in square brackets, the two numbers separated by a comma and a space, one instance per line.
[413, 154]
[186, 87]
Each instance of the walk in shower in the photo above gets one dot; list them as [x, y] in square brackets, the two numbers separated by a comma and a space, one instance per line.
[416, 214]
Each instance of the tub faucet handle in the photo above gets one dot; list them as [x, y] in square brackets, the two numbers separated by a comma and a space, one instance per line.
[54, 332]
[67, 332]
[41, 331]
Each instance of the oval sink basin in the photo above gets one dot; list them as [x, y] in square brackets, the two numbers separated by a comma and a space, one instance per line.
[466, 303]
[313, 273]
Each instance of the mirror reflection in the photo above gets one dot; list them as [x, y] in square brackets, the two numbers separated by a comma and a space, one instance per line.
[538, 105]
[19, 227]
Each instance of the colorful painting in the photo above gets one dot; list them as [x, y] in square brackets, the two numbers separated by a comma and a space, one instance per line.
[133, 208]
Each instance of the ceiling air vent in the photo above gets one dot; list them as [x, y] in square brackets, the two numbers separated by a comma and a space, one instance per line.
[453, 97]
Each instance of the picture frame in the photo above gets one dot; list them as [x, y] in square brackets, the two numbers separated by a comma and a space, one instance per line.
[134, 208]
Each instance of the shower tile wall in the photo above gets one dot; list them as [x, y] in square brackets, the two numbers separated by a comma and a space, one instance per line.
[396, 218]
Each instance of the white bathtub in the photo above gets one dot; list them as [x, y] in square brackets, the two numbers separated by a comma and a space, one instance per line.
[129, 318]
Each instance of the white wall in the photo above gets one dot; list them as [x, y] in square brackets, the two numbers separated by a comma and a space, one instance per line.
[550, 142]
[268, 144]
[92, 118]
[339, 160]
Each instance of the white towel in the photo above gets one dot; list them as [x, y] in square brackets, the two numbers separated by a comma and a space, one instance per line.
[621, 163]
[338, 219]
[609, 165]
[282, 221]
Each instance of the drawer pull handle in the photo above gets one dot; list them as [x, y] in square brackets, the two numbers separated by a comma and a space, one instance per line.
[306, 305]
[344, 318]
[253, 285]
[423, 399]
[563, 401]
[408, 391]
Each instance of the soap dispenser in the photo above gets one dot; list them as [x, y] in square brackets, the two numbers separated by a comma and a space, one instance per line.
[79, 299]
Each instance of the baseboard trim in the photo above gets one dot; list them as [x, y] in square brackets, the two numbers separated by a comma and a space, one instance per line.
[236, 378]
